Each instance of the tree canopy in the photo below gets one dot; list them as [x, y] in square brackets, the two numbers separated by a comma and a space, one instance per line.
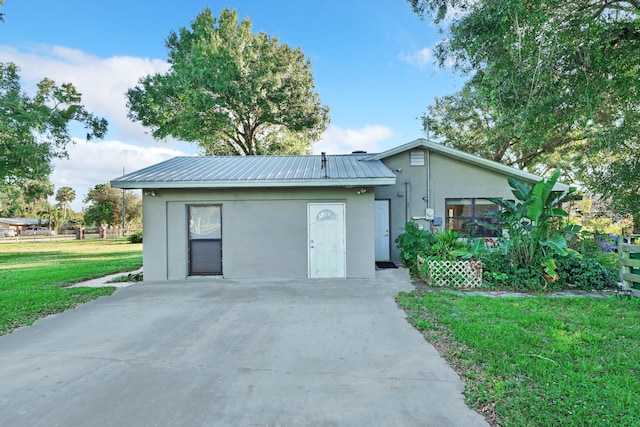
[105, 206]
[52, 215]
[64, 196]
[24, 199]
[231, 91]
[551, 84]
[35, 130]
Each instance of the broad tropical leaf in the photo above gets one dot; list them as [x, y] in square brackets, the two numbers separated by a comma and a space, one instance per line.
[557, 244]
[519, 188]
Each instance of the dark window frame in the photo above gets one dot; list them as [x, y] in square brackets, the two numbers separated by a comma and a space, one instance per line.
[469, 222]
[191, 242]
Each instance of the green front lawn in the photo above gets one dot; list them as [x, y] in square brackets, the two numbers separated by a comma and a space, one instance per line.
[33, 275]
[538, 361]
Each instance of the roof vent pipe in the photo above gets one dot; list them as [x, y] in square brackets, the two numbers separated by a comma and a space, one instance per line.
[324, 164]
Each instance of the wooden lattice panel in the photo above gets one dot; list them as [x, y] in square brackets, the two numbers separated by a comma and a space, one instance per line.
[455, 274]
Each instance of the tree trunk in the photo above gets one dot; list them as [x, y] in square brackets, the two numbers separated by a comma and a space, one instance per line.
[636, 223]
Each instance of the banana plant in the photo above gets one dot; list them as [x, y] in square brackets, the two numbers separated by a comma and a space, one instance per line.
[527, 220]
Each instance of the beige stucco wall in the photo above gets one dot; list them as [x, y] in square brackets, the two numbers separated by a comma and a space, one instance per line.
[264, 232]
[448, 178]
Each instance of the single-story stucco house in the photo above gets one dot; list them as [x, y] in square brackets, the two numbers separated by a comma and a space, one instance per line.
[305, 216]
[18, 225]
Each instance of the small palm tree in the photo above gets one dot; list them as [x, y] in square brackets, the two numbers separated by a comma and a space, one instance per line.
[52, 215]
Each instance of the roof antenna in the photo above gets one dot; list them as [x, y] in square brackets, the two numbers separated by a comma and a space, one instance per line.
[425, 122]
[324, 164]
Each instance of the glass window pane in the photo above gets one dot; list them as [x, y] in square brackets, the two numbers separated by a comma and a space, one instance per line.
[326, 215]
[204, 222]
[462, 215]
[484, 207]
[459, 207]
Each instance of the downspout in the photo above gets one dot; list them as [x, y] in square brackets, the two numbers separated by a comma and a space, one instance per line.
[428, 178]
[429, 186]
[407, 200]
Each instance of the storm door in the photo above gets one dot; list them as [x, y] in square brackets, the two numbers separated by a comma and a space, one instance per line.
[205, 240]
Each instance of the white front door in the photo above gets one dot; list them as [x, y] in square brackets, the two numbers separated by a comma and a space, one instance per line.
[327, 244]
[382, 230]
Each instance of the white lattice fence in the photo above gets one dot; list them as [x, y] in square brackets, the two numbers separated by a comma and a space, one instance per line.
[456, 274]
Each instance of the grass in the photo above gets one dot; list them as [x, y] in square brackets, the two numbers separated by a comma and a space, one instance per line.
[538, 361]
[33, 275]
[137, 277]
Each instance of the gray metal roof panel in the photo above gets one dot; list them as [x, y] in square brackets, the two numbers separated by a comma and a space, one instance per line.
[219, 171]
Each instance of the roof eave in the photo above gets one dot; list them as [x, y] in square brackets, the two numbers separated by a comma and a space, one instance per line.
[361, 182]
[465, 157]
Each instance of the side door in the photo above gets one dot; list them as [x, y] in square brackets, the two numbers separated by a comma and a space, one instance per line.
[382, 230]
[205, 240]
[326, 240]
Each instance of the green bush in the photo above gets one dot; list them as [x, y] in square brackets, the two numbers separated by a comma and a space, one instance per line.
[610, 261]
[413, 242]
[446, 246]
[585, 273]
[135, 237]
[503, 272]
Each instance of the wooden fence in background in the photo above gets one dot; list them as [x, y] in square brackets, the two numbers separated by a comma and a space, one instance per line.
[630, 264]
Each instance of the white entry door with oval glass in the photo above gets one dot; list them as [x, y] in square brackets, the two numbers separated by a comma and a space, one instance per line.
[326, 239]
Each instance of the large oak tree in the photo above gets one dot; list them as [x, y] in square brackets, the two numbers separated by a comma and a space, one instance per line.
[551, 83]
[231, 91]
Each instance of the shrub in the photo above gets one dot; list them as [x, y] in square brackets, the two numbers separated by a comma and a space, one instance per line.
[135, 237]
[585, 273]
[413, 242]
[446, 246]
[610, 261]
[503, 272]
[587, 244]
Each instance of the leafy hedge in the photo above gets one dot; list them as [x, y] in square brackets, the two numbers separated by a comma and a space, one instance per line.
[135, 237]
[585, 273]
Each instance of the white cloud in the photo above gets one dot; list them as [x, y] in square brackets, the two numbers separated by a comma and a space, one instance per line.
[92, 163]
[336, 140]
[419, 59]
[103, 82]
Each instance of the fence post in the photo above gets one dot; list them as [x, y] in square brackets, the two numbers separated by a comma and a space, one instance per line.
[630, 264]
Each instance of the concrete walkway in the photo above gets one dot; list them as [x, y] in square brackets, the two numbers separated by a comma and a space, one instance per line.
[232, 353]
[104, 281]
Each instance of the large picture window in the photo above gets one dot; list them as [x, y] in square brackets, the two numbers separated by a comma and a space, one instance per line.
[464, 214]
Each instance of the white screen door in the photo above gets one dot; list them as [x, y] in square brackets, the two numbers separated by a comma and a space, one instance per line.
[205, 240]
[382, 230]
[327, 245]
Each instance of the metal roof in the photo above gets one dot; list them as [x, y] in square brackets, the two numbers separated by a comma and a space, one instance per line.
[465, 157]
[21, 221]
[259, 171]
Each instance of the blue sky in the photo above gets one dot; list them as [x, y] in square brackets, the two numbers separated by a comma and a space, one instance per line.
[371, 62]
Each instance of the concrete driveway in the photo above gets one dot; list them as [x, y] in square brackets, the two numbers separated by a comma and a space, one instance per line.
[232, 353]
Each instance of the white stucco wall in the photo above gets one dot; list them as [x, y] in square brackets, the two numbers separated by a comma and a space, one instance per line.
[264, 232]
